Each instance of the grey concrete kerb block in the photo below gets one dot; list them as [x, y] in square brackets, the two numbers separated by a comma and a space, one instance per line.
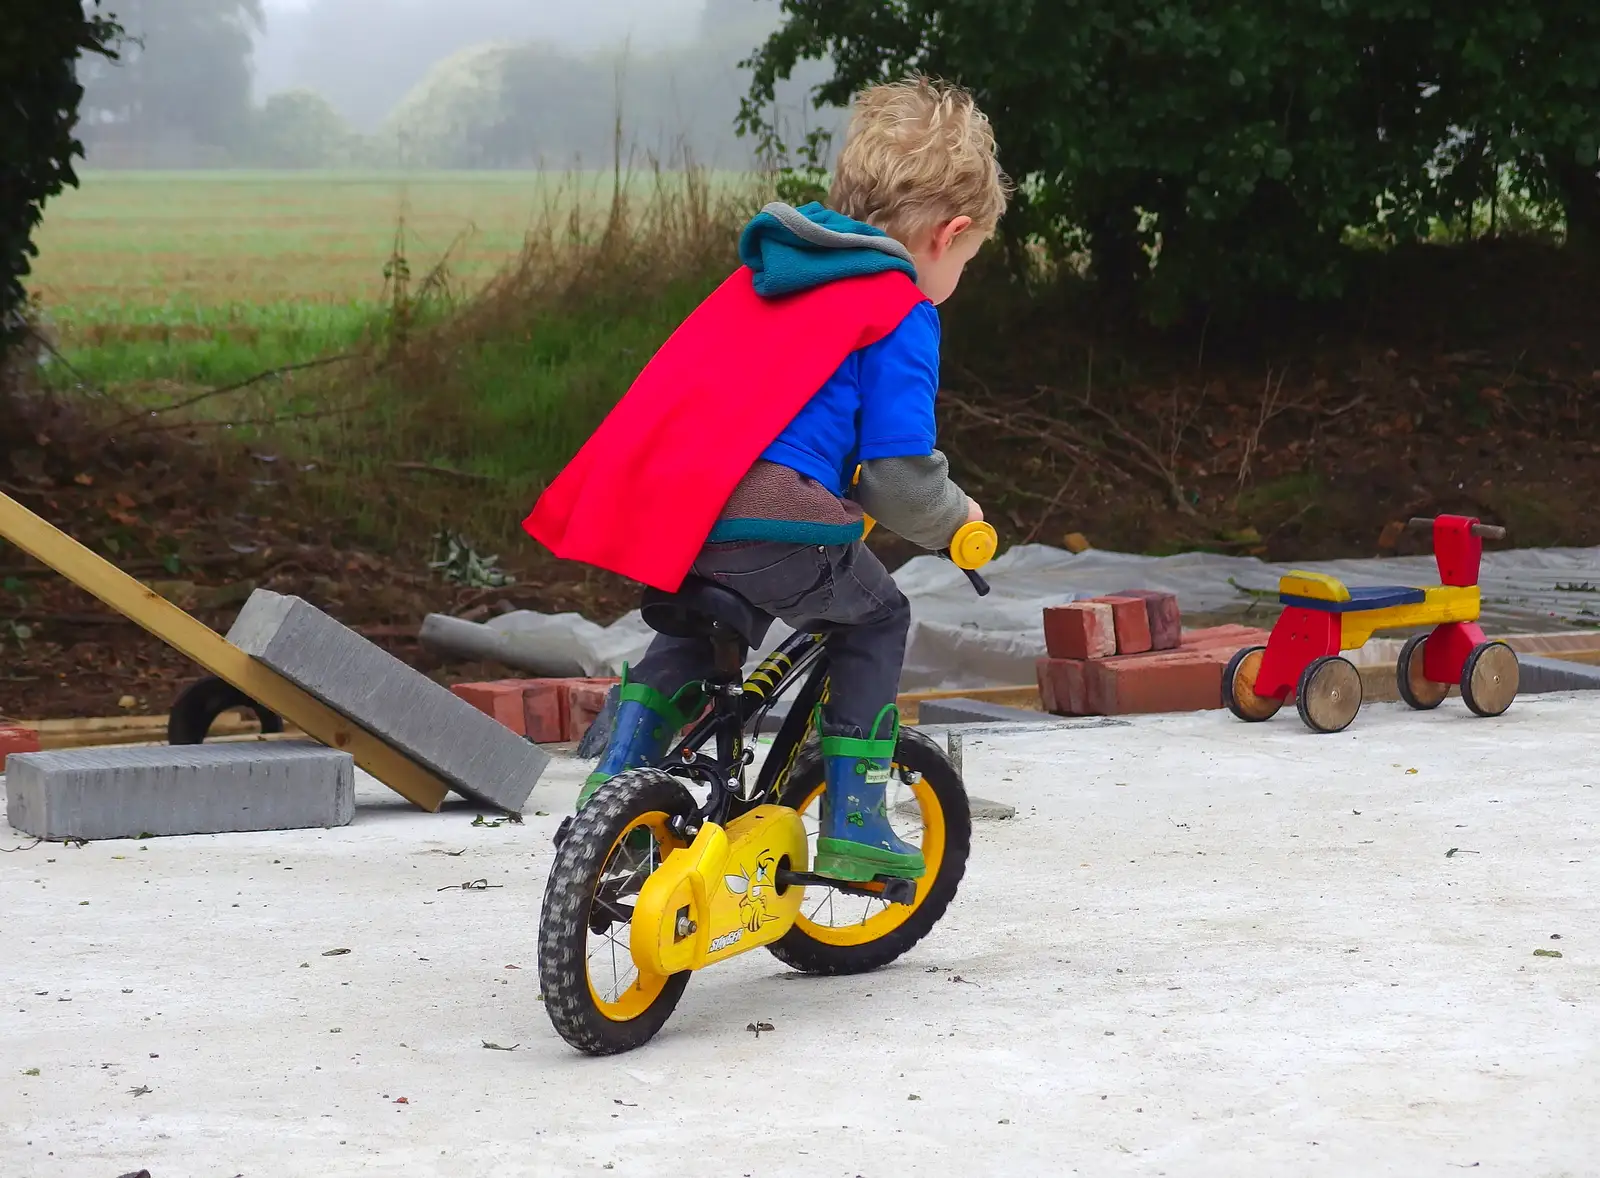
[480, 759]
[110, 793]
[977, 711]
[1538, 675]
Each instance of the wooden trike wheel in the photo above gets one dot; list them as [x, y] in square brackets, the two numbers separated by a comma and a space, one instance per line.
[1239, 687]
[1415, 687]
[1329, 694]
[1490, 678]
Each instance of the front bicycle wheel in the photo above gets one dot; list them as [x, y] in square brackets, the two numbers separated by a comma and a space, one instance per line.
[837, 933]
[597, 998]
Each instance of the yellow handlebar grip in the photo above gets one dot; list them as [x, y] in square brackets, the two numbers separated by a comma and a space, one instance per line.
[867, 522]
[974, 545]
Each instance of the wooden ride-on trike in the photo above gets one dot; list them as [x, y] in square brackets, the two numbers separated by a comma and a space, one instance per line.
[1322, 618]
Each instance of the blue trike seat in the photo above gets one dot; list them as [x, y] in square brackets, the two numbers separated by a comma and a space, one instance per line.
[1361, 600]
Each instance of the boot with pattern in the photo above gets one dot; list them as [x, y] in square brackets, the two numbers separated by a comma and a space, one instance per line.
[856, 842]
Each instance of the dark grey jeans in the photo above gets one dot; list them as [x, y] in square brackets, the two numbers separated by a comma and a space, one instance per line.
[845, 593]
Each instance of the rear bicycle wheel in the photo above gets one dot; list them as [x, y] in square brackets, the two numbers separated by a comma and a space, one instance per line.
[597, 998]
[837, 933]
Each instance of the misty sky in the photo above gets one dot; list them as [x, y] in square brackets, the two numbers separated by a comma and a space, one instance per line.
[365, 54]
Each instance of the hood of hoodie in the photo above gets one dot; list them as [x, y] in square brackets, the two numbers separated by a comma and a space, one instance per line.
[790, 250]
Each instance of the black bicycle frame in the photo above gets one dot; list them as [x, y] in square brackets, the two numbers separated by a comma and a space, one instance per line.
[737, 708]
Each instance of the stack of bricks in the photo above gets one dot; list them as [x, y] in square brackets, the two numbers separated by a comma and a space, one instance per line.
[1128, 653]
[546, 711]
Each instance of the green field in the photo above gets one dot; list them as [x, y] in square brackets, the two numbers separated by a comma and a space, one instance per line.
[158, 286]
[162, 239]
[207, 277]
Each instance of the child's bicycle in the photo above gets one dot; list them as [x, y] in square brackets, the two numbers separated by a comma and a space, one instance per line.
[649, 884]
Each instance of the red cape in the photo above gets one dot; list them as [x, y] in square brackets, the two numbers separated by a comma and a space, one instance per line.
[643, 493]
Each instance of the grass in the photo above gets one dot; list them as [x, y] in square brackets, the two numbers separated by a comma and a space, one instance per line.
[497, 316]
[158, 239]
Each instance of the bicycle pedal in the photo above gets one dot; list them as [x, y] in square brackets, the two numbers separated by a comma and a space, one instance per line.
[899, 891]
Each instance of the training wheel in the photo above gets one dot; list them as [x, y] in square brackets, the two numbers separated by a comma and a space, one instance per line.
[1329, 694]
[1239, 687]
[1490, 678]
[1416, 688]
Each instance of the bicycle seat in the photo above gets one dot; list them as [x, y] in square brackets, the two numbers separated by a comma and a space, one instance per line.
[703, 609]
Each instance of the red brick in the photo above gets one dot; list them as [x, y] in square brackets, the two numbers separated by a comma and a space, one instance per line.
[1081, 630]
[1130, 616]
[1166, 621]
[501, 700]
[586, 698]
[1179, 681]
[544, 711]
[16, 739]
[1233, 637]
[1061, 686]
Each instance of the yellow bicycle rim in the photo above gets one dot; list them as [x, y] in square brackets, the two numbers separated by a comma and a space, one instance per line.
[882, 923]
[621, 1002]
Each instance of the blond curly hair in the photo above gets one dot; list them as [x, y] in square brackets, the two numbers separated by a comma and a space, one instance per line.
[919, 153]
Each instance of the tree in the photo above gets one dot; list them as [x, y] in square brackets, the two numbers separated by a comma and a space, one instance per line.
[1523, 84]
[40, 45]
[299, 129]
[184, 79]
[1204, 153]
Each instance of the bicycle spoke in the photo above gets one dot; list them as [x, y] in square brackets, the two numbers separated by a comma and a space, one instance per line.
[622, 877]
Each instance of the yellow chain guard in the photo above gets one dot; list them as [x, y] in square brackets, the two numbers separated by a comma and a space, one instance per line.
[724, 885]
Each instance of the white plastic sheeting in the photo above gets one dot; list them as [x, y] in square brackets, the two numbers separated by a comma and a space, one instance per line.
[961, 641]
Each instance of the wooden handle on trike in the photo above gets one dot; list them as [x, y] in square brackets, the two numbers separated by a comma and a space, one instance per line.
[1481, 531]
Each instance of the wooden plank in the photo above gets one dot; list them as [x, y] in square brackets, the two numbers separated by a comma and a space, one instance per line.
[216, 654]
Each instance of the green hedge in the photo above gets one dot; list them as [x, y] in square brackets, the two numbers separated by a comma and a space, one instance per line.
[1207, 153]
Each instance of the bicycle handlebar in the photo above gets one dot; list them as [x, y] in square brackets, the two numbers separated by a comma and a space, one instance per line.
[1481, 531]
[972, 547]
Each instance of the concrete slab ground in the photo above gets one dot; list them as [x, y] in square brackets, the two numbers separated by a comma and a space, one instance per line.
[1200, 948]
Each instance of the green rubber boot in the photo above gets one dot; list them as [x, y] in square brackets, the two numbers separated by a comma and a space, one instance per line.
[645, 725]
[856, 842]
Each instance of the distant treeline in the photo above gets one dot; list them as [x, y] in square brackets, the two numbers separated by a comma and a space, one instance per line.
[181, 97]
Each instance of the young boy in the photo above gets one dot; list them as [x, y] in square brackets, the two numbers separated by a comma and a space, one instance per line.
[732, 457]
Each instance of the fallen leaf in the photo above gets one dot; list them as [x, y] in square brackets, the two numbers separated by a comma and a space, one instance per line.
[127, 702]
[1547, 952]
[1076, 542]
[913, 1096]
[336, 952]
[402, 1100]
[141, 1090]
[84, 480]
[488, 1046]
[31, 1072]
